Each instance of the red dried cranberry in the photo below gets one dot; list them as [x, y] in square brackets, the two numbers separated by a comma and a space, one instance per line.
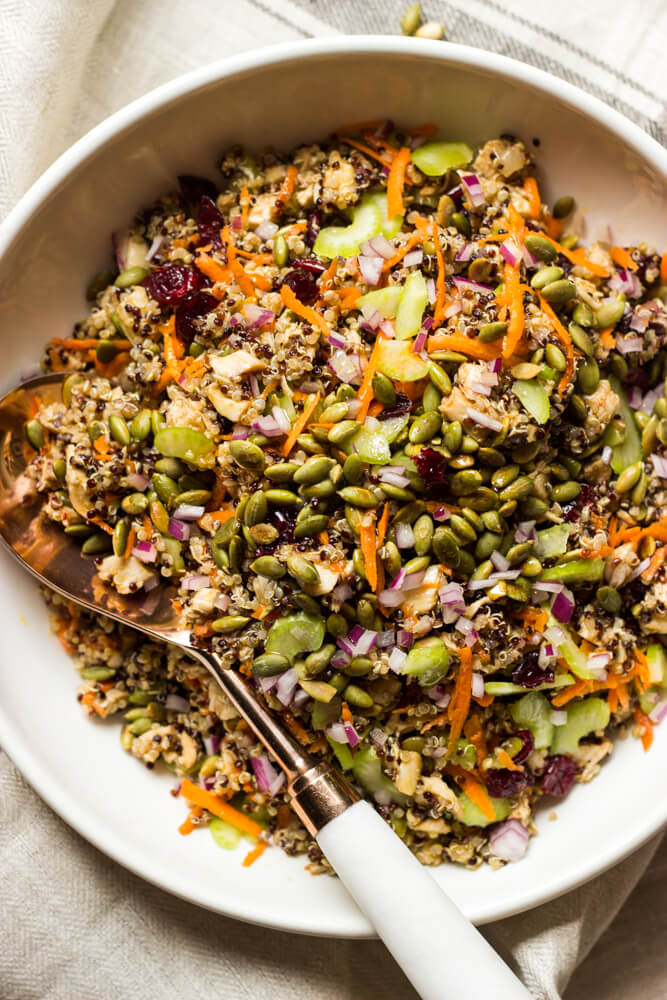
[312, 265]
[432, 468]
[528, 741]
[501, 783]
[194, 188]
[210, 222]
[402, 405]
[303, 285]
[529, 674]
[172, 283]
[284, 520]
[313, 226]
[571, 511]
[192, 309]
[558, 777]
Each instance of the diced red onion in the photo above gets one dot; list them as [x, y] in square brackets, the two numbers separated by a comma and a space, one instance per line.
[240, 432]
[509, 840]
[174, 703]
[606, 454]
[528, 258]
[481, 584]
[150, 601]
[431, 290]
[336, 340]
[414, 257]
[265, 772]
[451, 594]
[268, 426]
[347, 367]
[286, 686]
[562, 606]
[145, 552]
[211, 745]
[660, 465]
[477, 689]
[281, 418]
[179, 529]
[386, 639]
[256, 316]
[506, 574]
[266, 230]
[474, 189]
[222, 602]
[511, 251]
[465, 253]
[650, 399]
[464, 625]
[547, 654]
[639, 321]
[414, 580]
[627, 282]
[390, 598]
[139, 482]
[480, 389]
[352, 737]
[342, 592]
[483, 420]
[378, 737]
[235, 319]
[189, 512]
[337, 732]
[195, 581]
[404, 639]
[598, 661]
[644, 564]
[441, 514]
[439, 695]
[382, 246]
[472, 286]
[154, 247]
[657, 714]
[358, 642]
[419, 341]
[340, 659]
[549, 586]
[387, 327]
[625, 345]
[525, 532]
[151, 583]
[371, 269]
[558, 717]
[236, 222]
[280, 778]
[266, 683]
[499, 561]
[494, 366]
[254, 386]
[397, 659]
[423, 626]
[634, 397]
[453, 310]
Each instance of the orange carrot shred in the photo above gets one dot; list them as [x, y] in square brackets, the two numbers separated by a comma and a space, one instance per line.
[131, 539]
[211, 268]
[305, 312]
[579, 257]
[327, 279]
[607, 338]
[365, 395]
[647, 728]
[474, 789]
[663, 268]
[459, 706]
[505, 759]
[621, 257]
[366, 150]
[465, 345]
[301, 421]
[533, 195]
[656, 562]
[396, 183]
[253, 855]
[74, 344]
[440, 288]
[382, 526]
[244, 200]
[214, 804]
[517, 318]
[368, 550]
[287, 187]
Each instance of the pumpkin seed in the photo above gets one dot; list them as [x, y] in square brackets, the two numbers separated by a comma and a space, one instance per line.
[358, 496]
[121, 533]
[283, 472]
[132, 276]
[311, 526]
[140, 427]
[545, 276]
[280, 250]
[384, 389]
[313, 470]
[559, 292]
[268, 566]
[609, 314]
[229, 623]
[247, 455]
[68, 385]
[492, 331]
[35, 434]
[303, 571]
[96, 544]
[563, 206]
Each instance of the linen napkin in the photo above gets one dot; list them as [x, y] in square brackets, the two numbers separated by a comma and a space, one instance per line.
[76, 924]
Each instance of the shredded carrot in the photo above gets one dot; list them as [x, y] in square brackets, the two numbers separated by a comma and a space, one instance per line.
[348, 297]
[186, 827]
[553, 226]
[612, 699]
[260, 612]
[74, 344]
[256, 852]
[365, 395]
[607, 337]
[474, 731]
[396, 183]
[459, 706]
[257, 258]
[323, 537]
[656, 562]
[515, 302]
[64, 642]
[647, 728]
[287, 187]
[327, 279]
[422, 234]
[505, 759]
[533, 195]
[131, 539]
[211, 268]
[366, 150]
[375, 408]
[663, 268]
[464, 345]
[474, 789]
[203, 630]
[368, 550]
[623, 258]
[440, 288]
[428, 130]
[301, 420]
[439, 720]
[346, 714]
[534, 618]
[244, 200]
[579, 257]
[214, 804]
[575, 690]
[565, 340]
[305, 312]
[382, 526]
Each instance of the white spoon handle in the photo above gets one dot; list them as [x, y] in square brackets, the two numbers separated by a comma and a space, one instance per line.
[441, 953]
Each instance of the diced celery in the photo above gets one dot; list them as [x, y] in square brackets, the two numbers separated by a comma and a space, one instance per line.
[436, 158]
[343, 753]
[382, 300]
[534, 398]
[533, 712]
[577, 572]
[428, 661]
[297, 633]
[656, 656]
[629, 450]
[473, 816]
[500, 688]
[583, 717]
[368, 773]
[372, 445]
[552, 541]
[397, 360]
[345, 241]
[569, 651]
[224, 834]
[389, 226]
[411, 306]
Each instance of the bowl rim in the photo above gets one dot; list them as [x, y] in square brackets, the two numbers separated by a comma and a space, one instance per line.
[87, 146]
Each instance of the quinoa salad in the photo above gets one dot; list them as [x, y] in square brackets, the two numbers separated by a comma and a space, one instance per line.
[397, 430]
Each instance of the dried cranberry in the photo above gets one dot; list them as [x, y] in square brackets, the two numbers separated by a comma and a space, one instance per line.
[529, 673]
[194, 188]
[456, 194]
[313, 226]
[210, 222]
[402, 405]
[312, 265]
[501, 783]
[571, 511]
[432, 468]
[528, 741]
[193, 309]
[303, 285]
[559, 775]
[172, 283]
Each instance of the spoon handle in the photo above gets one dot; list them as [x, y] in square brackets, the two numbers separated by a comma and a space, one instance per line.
[443, 955]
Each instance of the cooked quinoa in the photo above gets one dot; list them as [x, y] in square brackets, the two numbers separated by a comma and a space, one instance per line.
[401, 442]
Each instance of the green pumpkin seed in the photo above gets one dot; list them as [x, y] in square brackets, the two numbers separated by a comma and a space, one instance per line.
[563, 207]
[334, 413]
[465, 482]
[353, 469]
[195, 498]
[409, 513]
[359, 666]
[424, 428]
[229, 623]
[303, 571]
[318, 661]
[306, 603]
[423, 531]
[159, 516]
[540, 247]
[68, 385]
[247, 455]
[504, 476]
[588, 376]
[431, 400]
[480, 269]
[609, 314]
[319, 491]
[121, 533]
[491, 457]
[313, 470]
[411, 19]
[95, 431]
[628, 478]
[140, 726]
[140, 427]
[397, 493]
[311, 526]
[545, 276]
[446, 547]
[261, 534]
[283, 472]
[256, 509]
[356, 696]
[417, 564]
[439, 378]
[170, 467]
[34, 432]
[519, 489]
[486, 544]
[391, 558]
[308, 443]
[609, 598]
[280, 250]
[60, 469]
[461, 223]
[165, 487]
[97, 673]
[268, 566]
[282, 498]
[661, 431]
[358, 563]
[186, 444]
[463, 531]
[96, 544]
[105, 351]
[534, 509]
[337, 626]
[358, 497]
[492, 331]
[565, 492]
[119, 430]
[384, 389]
[559, 292]
[517, 553]
[132, 276]
[226, 531]
[343, 431]
[79, 530]
[453, 437]
[493, 522]
[583, 314]
[639, 492]
[269, 664]
[555, 357]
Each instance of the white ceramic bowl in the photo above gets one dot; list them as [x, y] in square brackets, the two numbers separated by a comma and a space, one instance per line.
[58, 236]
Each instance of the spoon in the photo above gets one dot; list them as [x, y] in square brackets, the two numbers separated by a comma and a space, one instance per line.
[439, 950]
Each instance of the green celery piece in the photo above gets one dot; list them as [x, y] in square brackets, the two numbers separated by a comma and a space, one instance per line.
[343, 753]
[473, 816]
[657, 663]
[224, 834]
[570, 652]
[500, 688]
[297, 633]
[436, 158]
[397, 360]
[628, 451]
[372, 445]
[583, 717]
[533, 712]
[411, 306]
[390, 227]
[286, 403]
[428, 661]
[576, 572]
[534, 398]
[368, 773]
[345, 241]
[552, 541]
[382, 300]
